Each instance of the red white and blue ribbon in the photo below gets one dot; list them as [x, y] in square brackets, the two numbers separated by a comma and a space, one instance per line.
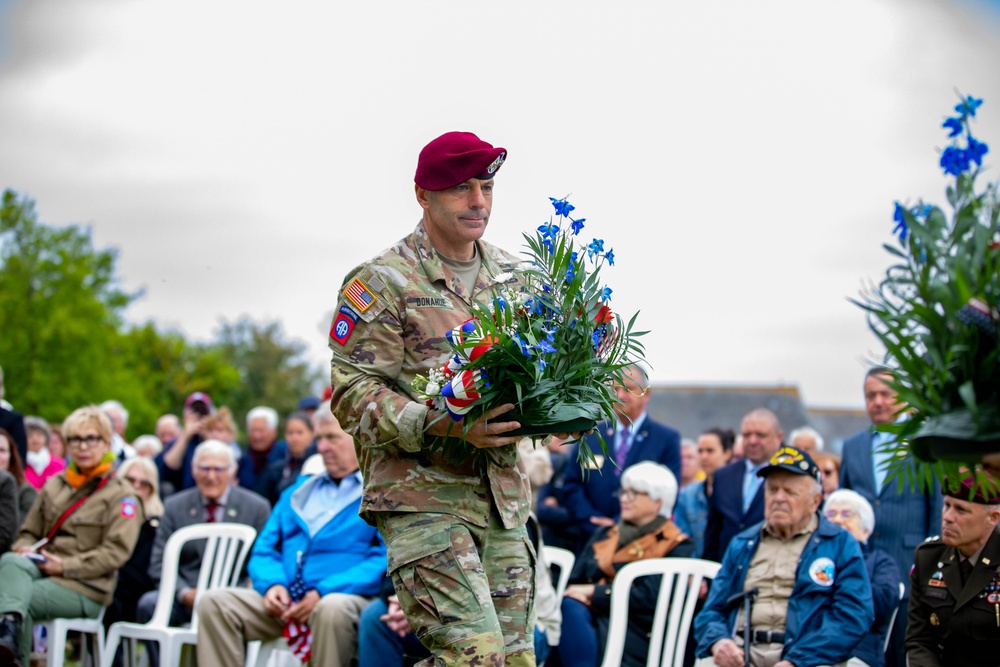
[463, 390]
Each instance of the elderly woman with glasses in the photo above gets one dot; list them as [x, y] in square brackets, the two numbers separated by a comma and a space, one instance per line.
[133, 578]
[849, 510]
[644, 530]
[81, 529]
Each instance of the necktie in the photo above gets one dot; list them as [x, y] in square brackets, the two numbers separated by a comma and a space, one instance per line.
[966, 569]
[210, 508]
[621, 451]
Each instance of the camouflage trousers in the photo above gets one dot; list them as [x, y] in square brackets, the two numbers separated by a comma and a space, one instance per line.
[467, 591]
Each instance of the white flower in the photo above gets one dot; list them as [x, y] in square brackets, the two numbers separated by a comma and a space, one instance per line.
[502, 277]
[432, 389]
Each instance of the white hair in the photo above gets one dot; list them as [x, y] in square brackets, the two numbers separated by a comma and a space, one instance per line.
[858, 503]
[150, 442]
[323, 414]
[807, 431]
[214, 448]
[115, 406]
[688, 443]
[269, 415]
[654, 480]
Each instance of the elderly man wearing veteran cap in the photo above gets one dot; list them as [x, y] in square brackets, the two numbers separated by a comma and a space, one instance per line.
[458, 552]
[805, 578]
[954, 612]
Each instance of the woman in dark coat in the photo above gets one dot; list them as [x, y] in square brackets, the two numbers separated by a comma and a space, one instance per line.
[648, 492]
[852, 512]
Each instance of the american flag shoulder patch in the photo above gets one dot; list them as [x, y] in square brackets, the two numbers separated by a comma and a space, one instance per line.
[359, 295]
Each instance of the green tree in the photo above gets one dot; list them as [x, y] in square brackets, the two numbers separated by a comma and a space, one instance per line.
[272, 370]
[60, 313]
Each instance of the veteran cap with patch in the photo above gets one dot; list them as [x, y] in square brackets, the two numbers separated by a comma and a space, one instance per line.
[454, 158]
[792, 460]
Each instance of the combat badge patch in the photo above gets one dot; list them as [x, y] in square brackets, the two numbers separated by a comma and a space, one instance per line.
[343, 325]
[359, 295]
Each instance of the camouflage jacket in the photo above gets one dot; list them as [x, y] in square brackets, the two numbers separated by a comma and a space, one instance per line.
[389, 326]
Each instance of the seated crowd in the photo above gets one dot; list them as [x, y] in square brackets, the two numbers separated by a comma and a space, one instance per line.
[812, 574]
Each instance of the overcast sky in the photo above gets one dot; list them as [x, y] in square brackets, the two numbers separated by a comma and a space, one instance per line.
[741, 158]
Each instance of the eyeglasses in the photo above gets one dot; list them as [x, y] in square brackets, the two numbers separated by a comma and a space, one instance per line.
[76, 441]
[218, 470]
[845, 513]
[629, 494]
[141, 483]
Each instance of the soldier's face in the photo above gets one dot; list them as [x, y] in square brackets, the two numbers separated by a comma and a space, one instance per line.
[457, 217]
[966, 525]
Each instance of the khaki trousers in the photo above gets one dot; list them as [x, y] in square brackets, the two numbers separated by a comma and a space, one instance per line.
[761, 655]
[229, 617]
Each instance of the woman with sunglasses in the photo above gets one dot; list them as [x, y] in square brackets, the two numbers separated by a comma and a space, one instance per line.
[81, 529]
[141, 474]
[849, 510]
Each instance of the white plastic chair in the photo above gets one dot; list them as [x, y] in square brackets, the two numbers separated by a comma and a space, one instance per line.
[271, 653]
[564, 559]
[681, 582]
[56, 629]
[226, 548]
[892, 619]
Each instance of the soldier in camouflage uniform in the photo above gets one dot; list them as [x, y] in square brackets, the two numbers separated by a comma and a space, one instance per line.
[458, 552]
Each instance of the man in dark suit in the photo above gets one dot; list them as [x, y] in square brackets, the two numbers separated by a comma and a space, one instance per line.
[737, 500]
[213, 500]
[903, 517]
[634, 437]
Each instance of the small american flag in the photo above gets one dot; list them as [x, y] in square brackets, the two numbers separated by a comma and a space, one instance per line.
[298, 635]
[359, 295]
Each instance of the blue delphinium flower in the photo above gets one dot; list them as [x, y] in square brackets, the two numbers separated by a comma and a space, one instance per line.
[976, 151]
[501, 302]
[606, 294]
[577, 226]
[968, 106]
[570, 274]
[525, 350]
[545, 346]
[610, 256]
[899, 217]
[954, 160]
[548, 230]
[596, 246]
[955, 125]
[562, 206]
[548, 244]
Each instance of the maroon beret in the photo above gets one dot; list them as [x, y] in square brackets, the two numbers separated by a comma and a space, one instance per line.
[985, 494]
[454, 158]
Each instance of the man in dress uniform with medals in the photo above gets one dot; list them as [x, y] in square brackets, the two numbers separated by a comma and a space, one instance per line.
[954, 613]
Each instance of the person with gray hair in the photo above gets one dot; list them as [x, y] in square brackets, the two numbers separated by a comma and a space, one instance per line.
[849, 510]
[214, 499]
[648, 493]
[793, 587]
[40, 464]
[118, 415]
[263, 446]
[807, 439]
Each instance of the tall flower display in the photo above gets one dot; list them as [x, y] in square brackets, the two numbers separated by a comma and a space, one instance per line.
[546, 341]
[936, 311]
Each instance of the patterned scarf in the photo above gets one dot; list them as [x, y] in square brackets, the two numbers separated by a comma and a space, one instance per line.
[77, 479]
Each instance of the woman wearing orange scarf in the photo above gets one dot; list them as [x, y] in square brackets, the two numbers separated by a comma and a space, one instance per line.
[81, 529]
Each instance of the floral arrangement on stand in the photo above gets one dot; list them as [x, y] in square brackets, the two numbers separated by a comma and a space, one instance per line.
[936, 311]
[547, 341]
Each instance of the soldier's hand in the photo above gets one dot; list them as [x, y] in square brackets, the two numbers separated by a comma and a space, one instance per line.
[727, 654]
[395, 618]
[484, 432]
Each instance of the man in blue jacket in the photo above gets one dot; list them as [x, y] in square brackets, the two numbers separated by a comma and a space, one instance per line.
[315, 567]
[813, 600]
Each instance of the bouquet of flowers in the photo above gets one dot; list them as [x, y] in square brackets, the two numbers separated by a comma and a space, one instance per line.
[546, 341]
[936, 312]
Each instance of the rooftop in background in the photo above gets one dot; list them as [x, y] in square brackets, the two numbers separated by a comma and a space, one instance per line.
[692, 409]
